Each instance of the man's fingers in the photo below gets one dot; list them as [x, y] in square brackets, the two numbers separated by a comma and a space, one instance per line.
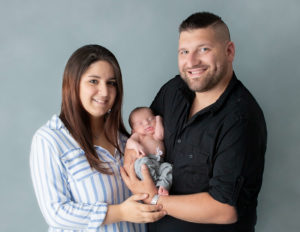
[145, 173]
[124, 175]
[131, 173]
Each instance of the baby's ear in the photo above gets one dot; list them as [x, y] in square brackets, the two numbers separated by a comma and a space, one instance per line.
[132, 131]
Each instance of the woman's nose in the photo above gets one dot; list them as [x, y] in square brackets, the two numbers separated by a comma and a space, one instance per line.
[103, 90]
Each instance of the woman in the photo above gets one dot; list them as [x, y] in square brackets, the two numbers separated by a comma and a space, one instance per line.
[76, 157]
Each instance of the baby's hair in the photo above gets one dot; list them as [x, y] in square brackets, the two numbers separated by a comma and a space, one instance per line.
[134, 111]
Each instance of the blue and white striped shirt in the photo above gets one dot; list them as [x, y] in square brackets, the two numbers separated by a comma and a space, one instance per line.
[71, 195]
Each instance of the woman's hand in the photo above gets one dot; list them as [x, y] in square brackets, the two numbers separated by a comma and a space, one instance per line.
[133, 211]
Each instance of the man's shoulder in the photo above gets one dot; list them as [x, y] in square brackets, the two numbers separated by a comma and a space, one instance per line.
[244, 103]
[175, 82]
[174, 87]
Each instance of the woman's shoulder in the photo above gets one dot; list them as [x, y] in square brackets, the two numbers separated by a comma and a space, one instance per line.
[50, 127]
[55, 135]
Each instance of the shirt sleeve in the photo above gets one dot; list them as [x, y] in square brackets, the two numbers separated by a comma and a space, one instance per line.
[157, 105]
[239, 163]
[51, 189]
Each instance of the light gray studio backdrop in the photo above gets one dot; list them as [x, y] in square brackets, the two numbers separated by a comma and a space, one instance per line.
[37, 38]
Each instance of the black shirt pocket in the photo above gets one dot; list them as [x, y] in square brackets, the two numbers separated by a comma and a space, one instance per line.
[191, 170]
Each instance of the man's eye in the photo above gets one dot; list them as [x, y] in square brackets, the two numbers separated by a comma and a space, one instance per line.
[183, 52]
[204, 49]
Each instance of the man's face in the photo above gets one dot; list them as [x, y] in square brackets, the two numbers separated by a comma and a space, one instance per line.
[203, 58]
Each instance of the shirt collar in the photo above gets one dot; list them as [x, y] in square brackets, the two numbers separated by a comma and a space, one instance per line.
[55, 123]
[219, 103]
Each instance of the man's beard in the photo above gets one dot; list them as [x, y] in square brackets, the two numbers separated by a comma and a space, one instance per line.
[205, 82]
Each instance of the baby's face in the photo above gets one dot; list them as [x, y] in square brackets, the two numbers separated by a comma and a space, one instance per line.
[143, 122]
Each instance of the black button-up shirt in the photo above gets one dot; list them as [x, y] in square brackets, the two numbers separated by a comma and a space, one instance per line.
[220, 150]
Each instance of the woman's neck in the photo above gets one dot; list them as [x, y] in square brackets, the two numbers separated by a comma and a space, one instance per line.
[99, 137]
[97, 127]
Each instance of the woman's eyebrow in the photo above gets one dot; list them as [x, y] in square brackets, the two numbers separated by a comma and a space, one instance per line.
[95, 76]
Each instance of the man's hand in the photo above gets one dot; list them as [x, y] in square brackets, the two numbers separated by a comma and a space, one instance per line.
[139, 186]
[130, 156]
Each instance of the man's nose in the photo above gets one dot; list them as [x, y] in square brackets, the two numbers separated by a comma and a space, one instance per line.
[192, 59]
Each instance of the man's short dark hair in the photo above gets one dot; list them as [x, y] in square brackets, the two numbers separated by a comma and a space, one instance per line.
[203, 20]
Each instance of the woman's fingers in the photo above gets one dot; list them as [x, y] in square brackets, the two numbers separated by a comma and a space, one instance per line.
[139, 196]
[154, 216]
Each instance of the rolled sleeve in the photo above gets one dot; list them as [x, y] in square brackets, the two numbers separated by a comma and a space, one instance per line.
[239, 162]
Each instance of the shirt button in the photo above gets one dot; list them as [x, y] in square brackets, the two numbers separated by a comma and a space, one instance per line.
[179, 141]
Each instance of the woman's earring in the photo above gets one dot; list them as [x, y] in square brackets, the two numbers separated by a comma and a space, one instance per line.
[107, 114]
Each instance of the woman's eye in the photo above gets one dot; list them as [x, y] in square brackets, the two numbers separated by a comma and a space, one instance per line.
[112, 83]
[93, 81]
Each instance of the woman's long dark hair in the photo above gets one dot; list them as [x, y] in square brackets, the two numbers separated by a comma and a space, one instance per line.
[75, 117]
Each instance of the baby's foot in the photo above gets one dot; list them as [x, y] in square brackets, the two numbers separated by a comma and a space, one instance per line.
[162, 191]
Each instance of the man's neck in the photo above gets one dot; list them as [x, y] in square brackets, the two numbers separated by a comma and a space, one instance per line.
[205, 99]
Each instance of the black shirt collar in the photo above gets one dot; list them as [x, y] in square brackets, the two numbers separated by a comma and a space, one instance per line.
[190, 95]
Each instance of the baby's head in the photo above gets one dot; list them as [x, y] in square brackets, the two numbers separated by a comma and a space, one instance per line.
[142, 120]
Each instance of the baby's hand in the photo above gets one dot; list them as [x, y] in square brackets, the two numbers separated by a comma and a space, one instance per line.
[139, 151]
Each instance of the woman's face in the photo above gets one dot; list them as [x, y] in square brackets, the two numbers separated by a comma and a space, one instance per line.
[97, 89]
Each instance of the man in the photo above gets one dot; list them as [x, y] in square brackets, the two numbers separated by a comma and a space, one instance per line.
[215, 137]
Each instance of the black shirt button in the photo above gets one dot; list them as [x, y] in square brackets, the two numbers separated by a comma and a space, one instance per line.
[179, 141]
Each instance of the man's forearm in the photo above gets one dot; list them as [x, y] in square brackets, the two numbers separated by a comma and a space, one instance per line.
[129, 158]
[199, 208]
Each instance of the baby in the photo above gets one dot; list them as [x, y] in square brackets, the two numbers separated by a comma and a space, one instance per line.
[147, 140]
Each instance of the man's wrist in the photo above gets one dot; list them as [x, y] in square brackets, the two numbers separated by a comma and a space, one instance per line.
[154, 199]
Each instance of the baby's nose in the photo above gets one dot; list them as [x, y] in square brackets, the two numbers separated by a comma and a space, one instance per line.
[145, 122]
